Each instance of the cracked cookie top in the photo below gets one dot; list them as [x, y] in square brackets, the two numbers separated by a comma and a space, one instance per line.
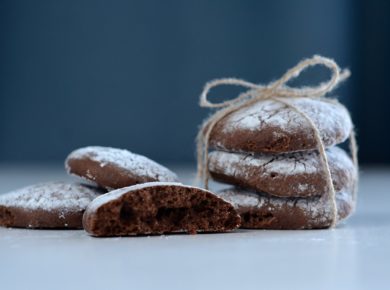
[270, 126]
[115, 168]
[299, 174]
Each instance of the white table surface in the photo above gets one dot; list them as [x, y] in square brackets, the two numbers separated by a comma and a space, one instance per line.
[356, 255]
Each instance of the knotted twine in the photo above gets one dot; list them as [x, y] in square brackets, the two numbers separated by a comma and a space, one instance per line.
[277, 91]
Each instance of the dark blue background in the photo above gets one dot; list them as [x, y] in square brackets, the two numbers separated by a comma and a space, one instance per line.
[128, 74]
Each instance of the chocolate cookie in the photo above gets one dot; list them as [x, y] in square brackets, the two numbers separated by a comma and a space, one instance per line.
[157, 208]
[46, 205]
[298, 174]
[115, 168]
[261, 211]
[270, 126]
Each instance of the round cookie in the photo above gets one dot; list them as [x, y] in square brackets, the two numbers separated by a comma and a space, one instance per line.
[298, 174]
[261, 211]
[46, 205]
[270, 126]
[157, 208]
[113, 168]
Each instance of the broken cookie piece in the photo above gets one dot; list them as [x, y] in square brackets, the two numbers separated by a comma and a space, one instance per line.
[157, 208]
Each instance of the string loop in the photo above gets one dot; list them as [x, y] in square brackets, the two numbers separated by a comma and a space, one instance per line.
[278, 91]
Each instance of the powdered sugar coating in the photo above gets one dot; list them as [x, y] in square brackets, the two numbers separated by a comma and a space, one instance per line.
[243, 166]
[135, 164]
[325, 116]
[317, 210]
[287, 164]
[50, 196]
[280, 123]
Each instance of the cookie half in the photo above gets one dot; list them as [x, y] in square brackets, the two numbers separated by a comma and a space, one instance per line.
[270, 126]
[113, 168]
[298, 174]
[157, 208]
[261, 211]
[46, 205]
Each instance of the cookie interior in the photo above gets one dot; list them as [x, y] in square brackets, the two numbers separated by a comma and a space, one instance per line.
[161, 209]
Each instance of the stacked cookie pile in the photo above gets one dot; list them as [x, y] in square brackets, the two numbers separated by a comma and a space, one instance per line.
[125, 194]
[268, 152]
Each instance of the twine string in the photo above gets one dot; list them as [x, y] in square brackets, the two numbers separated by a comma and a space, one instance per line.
[279, 92]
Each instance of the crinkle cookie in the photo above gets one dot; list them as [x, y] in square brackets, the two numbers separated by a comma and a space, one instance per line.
[113, 168]
[299, 174]
[262, 211]
[46, 205]
[270, 126]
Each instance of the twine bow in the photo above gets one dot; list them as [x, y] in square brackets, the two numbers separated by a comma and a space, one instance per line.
[279, 92]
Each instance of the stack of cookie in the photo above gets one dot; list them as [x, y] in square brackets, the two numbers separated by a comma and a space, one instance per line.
[125, 194]
[268, 152]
